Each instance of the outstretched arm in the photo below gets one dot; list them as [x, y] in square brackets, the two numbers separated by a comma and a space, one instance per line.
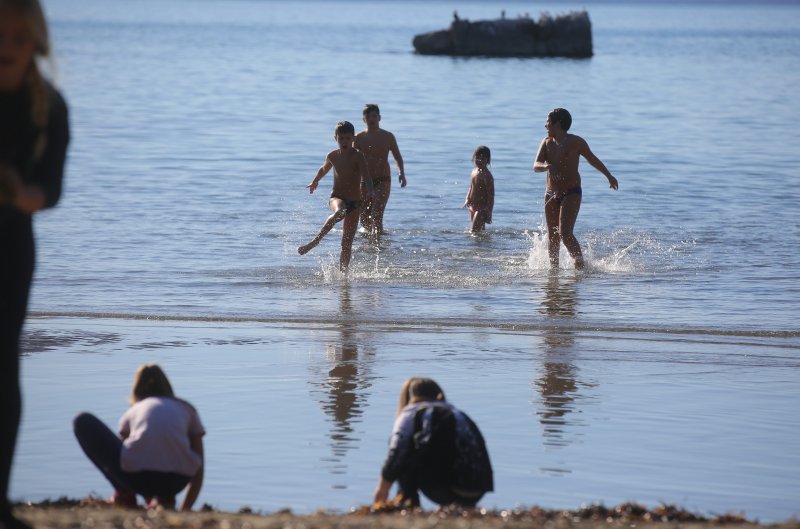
[322, 172]
[398, 159]
[540, 165]
[193, 490]
[595, 162]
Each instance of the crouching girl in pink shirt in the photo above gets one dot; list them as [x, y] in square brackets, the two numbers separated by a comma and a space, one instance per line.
[159, 450]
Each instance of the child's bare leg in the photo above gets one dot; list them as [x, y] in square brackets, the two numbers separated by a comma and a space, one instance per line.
[478, 221]
[552, 211]
[570, 206]
[366, 211]
[337, 205]
[349, 229]
[382, 192]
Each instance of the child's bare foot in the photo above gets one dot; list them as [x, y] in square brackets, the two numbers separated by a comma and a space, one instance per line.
[302, 250]
[580, 264]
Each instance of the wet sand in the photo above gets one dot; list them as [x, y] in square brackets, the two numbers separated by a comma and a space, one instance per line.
[88, 514]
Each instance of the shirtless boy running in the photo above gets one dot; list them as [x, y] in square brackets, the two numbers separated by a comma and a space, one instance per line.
[349, 173]
[376, 144]
[559, 154]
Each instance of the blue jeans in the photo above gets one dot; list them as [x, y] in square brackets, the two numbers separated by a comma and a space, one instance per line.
[103, 448]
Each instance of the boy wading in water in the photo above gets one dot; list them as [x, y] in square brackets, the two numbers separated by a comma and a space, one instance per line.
[559, 154]
[349, 172]
[376, 144]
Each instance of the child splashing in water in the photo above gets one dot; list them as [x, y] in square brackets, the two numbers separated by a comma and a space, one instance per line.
[559, 154]
[349, 172]
[480, 198]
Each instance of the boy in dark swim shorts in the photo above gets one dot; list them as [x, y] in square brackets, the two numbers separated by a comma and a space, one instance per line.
[558, 156]
[349, 172]
[376, 144]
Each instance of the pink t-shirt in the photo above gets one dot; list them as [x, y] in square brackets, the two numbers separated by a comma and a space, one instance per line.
[156, 432]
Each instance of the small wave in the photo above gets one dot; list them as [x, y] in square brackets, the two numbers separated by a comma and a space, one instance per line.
[442, 324]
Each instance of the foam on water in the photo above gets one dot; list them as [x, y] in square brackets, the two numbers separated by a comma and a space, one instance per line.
[494, 258]
[620, 252]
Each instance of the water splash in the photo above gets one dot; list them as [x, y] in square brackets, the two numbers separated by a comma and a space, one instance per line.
[500, 260]
[539, 255]
[622, 251]
[329, 268]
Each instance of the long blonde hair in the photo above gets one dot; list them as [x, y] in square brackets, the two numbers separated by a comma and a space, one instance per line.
[150, 381]
[417, 389]
[33, 13]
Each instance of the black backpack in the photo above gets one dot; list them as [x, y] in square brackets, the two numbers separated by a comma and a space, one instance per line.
[448, 442]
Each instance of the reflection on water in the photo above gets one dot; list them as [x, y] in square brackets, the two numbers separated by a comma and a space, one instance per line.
[560, 296]
[557, 383]
[625, 415]
[340, 383]
[40, 340]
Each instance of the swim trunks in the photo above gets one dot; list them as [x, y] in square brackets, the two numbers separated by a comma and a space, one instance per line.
[558, 197]
[349, 205]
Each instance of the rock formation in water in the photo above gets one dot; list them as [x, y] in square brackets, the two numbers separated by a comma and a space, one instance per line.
[568, 35]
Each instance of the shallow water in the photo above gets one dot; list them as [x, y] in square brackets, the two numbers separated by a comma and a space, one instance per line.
[665, 372]
[299, 415]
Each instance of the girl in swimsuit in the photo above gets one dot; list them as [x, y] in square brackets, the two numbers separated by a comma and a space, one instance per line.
[480, 198]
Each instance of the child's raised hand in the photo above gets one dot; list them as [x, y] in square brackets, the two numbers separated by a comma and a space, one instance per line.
[612, 183]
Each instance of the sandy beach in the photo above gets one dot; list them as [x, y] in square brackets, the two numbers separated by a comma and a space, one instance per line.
[85, 514]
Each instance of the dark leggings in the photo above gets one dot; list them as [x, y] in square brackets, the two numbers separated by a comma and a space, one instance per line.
[423, 474]
[103, 448]
[16, 273]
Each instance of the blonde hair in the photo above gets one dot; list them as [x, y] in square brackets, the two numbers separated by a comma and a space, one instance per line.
[33, 13]
[417, 389]
[150, 381]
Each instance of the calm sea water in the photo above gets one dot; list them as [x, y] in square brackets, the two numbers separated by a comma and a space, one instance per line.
[666, 372]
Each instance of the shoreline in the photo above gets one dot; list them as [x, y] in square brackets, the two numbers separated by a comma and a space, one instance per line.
[92, 513]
